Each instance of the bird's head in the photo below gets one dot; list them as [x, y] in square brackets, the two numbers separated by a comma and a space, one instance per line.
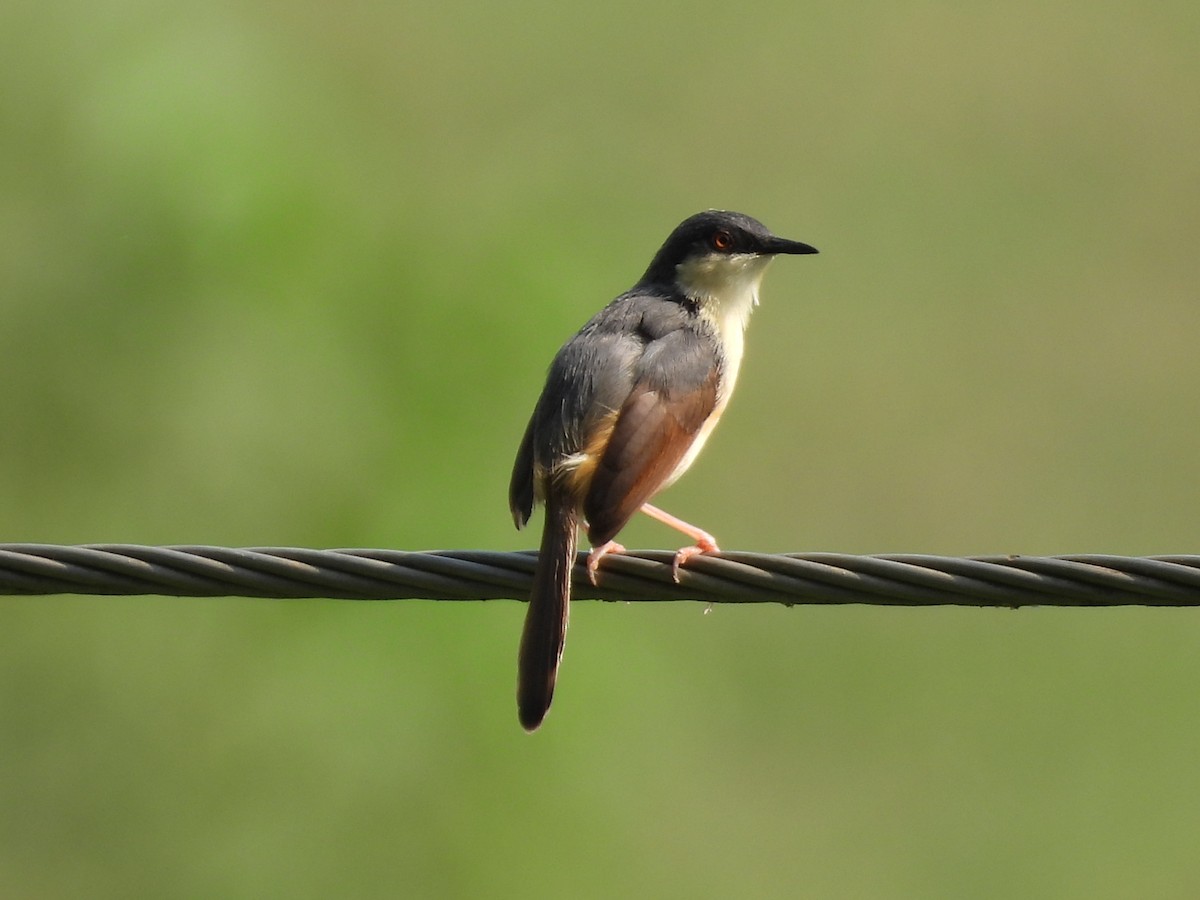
[717, 255]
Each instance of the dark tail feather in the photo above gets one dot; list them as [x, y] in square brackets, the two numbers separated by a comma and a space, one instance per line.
[546, 619]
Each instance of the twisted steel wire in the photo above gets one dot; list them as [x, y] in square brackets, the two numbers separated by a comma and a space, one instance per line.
[798, 578]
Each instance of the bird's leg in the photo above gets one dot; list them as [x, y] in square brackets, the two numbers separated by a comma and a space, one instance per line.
[598, 553]
[705, 542]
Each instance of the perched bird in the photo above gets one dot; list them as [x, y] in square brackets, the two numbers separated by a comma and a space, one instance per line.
[628, 403]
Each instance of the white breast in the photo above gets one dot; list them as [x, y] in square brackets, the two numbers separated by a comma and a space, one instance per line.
[726, 288]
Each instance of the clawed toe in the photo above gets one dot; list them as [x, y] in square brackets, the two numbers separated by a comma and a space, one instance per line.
[597, 554]
[686, 553]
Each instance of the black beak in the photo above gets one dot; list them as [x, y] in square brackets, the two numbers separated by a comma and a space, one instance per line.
[783, 245]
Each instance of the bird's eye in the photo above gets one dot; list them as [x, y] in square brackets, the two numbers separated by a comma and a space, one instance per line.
[722, 240]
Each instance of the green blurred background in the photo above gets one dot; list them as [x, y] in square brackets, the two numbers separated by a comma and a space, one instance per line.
[279, 273]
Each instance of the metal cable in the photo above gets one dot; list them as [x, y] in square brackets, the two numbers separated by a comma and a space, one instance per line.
[810, 578]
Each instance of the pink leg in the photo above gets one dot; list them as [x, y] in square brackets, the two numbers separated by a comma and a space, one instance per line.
[705, 542]
[598, 553]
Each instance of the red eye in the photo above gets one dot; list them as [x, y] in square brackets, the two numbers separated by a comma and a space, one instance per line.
[722, 240]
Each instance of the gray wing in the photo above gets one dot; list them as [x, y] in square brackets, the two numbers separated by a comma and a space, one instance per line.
[674, 393]
[631, 388]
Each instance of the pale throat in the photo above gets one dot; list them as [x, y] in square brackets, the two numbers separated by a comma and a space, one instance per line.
[726, 289]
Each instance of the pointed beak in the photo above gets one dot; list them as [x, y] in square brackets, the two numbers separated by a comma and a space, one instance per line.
[783, 245]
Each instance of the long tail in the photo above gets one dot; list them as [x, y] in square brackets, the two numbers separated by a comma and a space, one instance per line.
[546, 620]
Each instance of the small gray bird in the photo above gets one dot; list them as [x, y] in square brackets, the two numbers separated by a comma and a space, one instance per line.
[628, 403]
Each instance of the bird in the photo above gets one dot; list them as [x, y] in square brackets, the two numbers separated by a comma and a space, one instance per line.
[627, 405]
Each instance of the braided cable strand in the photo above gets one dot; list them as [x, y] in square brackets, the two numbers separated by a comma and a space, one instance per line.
[799, 578]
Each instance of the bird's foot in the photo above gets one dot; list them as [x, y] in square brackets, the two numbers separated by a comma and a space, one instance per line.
[704, 544]
[598, 553]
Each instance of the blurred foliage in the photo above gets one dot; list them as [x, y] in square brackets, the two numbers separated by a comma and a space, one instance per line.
[291, 274]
